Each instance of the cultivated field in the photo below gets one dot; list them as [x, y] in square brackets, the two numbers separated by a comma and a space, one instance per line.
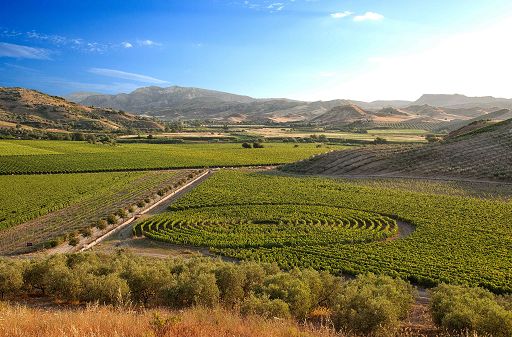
[51, 209]
[340, 226]
[22, 157]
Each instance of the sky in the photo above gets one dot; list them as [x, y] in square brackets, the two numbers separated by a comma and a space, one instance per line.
[299, 49]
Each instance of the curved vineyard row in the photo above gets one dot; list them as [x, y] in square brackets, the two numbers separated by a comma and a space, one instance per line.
[457, 239]
[254, 226]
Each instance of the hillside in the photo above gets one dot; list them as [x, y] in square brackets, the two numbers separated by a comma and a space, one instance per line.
[193, 103]
[349, 113]
[462, 101]
[484, 153]
[30, 109]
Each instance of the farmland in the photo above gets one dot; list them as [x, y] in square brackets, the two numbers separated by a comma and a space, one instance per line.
[39, 208]
[453, 233]
[24, 157]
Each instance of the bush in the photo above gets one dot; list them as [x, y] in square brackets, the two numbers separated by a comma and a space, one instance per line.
[263, 306]
[380, 140]
[258, 145]
[112, 219]
[101, 224]
[461, 309]
[11, 277]
[246, 145]
[74, 241]
[122, 213]
[372, 305]
[194, 289]
[86, 232]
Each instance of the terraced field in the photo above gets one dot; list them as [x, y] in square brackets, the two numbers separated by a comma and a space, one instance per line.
[484, 154]
[339, 225]
[25, 157]
[50, 206]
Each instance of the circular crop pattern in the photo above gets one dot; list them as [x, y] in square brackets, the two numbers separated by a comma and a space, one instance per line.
[253, 226]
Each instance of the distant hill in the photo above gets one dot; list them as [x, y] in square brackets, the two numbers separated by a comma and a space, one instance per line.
[348, 113]
[181, 103]
[77, 97]
[193, 103]
[461, 101]
[484, 152]
[31, 109]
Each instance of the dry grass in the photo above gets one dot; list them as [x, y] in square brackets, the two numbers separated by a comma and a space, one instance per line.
[108, 322]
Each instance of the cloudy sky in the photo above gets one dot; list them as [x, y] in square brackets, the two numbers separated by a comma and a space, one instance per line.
[303, 49]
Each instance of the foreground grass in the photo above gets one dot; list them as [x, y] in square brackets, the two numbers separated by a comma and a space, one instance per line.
[110, 322]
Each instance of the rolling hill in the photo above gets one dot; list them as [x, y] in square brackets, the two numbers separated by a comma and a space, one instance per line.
[182, 103]
[482, 153]
[30, 109]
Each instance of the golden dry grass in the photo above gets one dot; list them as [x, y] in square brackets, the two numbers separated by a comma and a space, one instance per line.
[19, 321]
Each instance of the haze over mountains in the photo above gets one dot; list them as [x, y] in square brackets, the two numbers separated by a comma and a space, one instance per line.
[175, 102]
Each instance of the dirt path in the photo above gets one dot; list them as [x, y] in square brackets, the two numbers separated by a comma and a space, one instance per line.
[124, 240]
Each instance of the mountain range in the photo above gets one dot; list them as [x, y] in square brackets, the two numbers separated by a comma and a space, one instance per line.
[180, 103]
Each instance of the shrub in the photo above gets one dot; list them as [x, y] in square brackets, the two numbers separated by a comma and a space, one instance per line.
[86, 232]
[141, 203]
[372, 305]
[11, 277]
[258, 145]
[194, 289]
[122, 213]
[230, 281]
[112, 219]
[291, 290]
[101, 224]
[74, 241]
[263, 306]
[246, 145]
[461, 309]
[132, 208]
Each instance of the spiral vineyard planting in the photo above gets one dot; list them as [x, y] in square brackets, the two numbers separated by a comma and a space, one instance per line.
[339, 225]
[252, 226]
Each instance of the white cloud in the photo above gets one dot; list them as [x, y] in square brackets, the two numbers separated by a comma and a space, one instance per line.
[369, 16]
[127, 45]
[474, 63]
[23, 52]
[148, 43]
[276, 6]
[340, 15]
[126, 75]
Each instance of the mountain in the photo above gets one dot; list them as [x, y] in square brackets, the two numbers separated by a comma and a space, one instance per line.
[181, 103]
[483, 152]
[348, 113]
[31, 109]
[78, 97]
[193, 103]
[461, 101]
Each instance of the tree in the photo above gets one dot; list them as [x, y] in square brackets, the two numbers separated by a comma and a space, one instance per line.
[11, 277]
[246, 145]
[380, 140]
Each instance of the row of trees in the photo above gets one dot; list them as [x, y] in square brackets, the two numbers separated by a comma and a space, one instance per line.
[248, 287]
[366, 305]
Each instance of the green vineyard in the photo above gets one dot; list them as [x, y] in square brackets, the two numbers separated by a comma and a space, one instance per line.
[343, 226]
[268, 226]
[26, 157]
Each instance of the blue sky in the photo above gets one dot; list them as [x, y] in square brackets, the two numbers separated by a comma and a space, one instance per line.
[303, 49]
